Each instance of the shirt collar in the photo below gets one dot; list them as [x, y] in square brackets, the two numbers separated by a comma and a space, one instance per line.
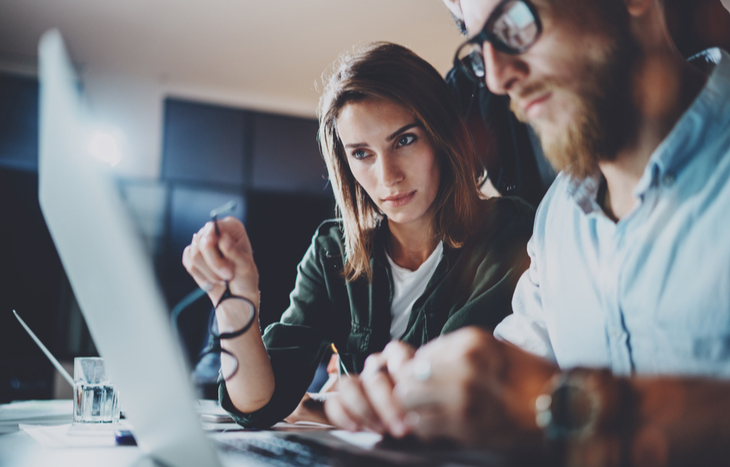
[585, 191]
[702, 121]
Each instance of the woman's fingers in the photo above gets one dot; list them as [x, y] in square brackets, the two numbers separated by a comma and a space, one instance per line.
[338, 416]
[210, 253]
[378, 388]
[213, 258]
[197, 268]
[357, 405]
[396, 355]
[239, 240]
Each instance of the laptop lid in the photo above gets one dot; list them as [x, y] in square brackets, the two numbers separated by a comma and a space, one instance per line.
[111, 274]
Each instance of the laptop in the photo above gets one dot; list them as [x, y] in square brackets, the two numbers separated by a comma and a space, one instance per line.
[114, 282]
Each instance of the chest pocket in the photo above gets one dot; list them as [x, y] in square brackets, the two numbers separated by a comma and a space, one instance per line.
[358, 341]
[332, 260]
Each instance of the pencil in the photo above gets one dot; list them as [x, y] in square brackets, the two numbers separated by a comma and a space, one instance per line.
[340, 366]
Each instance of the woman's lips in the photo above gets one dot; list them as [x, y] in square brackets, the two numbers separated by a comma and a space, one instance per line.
[399, 199]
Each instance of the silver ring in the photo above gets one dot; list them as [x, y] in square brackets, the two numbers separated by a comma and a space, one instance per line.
[422, 370]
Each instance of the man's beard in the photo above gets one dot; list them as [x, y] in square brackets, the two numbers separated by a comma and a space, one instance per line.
[604, 116]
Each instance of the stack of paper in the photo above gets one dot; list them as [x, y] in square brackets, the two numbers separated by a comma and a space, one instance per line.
[50, 412]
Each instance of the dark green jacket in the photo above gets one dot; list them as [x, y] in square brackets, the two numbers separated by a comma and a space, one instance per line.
[471, 285]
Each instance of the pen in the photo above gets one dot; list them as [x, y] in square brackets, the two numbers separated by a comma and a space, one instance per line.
[50, 356]
[340, 365]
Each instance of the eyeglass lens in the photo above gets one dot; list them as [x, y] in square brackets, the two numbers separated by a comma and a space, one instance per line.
[229, 364]
[514, 29]
[233, 315]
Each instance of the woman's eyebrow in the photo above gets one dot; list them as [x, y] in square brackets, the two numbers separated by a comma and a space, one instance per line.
[389, 138]
[402, 129]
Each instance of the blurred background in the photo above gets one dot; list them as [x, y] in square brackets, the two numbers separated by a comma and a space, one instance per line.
[206, 102]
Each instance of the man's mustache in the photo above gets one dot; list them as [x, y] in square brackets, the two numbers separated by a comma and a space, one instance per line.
[525, 94]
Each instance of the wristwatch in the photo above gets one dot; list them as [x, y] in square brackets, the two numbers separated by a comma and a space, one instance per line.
[570, 406]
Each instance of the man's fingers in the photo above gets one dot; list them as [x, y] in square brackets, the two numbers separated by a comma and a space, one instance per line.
[430, 424]
[413, 394]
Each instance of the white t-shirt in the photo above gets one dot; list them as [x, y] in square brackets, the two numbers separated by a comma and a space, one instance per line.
[408, 286]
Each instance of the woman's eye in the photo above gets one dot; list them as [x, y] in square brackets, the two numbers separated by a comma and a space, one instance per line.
[359, 154]
[405, 140]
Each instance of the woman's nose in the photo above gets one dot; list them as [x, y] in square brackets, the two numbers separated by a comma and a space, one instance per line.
[390, 171]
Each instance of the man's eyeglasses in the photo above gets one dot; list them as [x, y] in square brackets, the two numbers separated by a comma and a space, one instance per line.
[512, 28]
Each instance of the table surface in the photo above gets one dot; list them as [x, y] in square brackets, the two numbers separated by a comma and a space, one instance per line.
[80, 445]
[18, 449]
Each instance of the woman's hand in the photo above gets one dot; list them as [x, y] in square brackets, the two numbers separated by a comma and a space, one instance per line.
[211, 260]
[366, 401]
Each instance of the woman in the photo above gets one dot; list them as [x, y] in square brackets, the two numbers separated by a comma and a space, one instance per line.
[416, 253]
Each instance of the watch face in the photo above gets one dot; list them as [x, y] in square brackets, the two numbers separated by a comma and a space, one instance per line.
[570, 411]
[573, 408]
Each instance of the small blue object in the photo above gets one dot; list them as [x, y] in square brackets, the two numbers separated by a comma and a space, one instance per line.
[125, 438]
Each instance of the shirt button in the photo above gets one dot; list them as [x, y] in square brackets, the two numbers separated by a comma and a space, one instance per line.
[668, 179]
[616, 333]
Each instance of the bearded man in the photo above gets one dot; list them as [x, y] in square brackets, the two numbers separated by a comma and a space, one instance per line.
[618, 351]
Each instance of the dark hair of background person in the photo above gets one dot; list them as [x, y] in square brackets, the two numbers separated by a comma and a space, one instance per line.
[394, 73]
[507, 148]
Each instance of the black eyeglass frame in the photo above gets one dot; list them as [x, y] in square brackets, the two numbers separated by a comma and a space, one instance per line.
[485, 35]
[227, 294]
[216, 337]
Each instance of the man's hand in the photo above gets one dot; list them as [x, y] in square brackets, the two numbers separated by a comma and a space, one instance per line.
[470, 388]
[211, 260]
[366, 401]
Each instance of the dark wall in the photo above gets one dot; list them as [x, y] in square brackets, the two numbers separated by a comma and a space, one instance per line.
[696, 25]
[269, 164]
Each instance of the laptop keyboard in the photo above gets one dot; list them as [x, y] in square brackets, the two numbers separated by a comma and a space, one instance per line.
[302, 452]
[281, 452]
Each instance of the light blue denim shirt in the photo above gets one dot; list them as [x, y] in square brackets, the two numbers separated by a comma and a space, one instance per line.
[651, 293]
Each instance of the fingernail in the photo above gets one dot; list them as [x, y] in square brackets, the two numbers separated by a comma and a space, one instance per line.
[411, 419]
[398, 429]
[226, 274]
[207, 286]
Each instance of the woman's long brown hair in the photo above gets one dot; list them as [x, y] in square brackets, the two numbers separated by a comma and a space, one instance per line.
[396, 74]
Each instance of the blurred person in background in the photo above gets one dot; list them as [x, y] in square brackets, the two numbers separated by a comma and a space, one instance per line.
[508, 148]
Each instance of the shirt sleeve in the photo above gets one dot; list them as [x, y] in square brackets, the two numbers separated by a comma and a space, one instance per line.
[525, 327]
[295, 345]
